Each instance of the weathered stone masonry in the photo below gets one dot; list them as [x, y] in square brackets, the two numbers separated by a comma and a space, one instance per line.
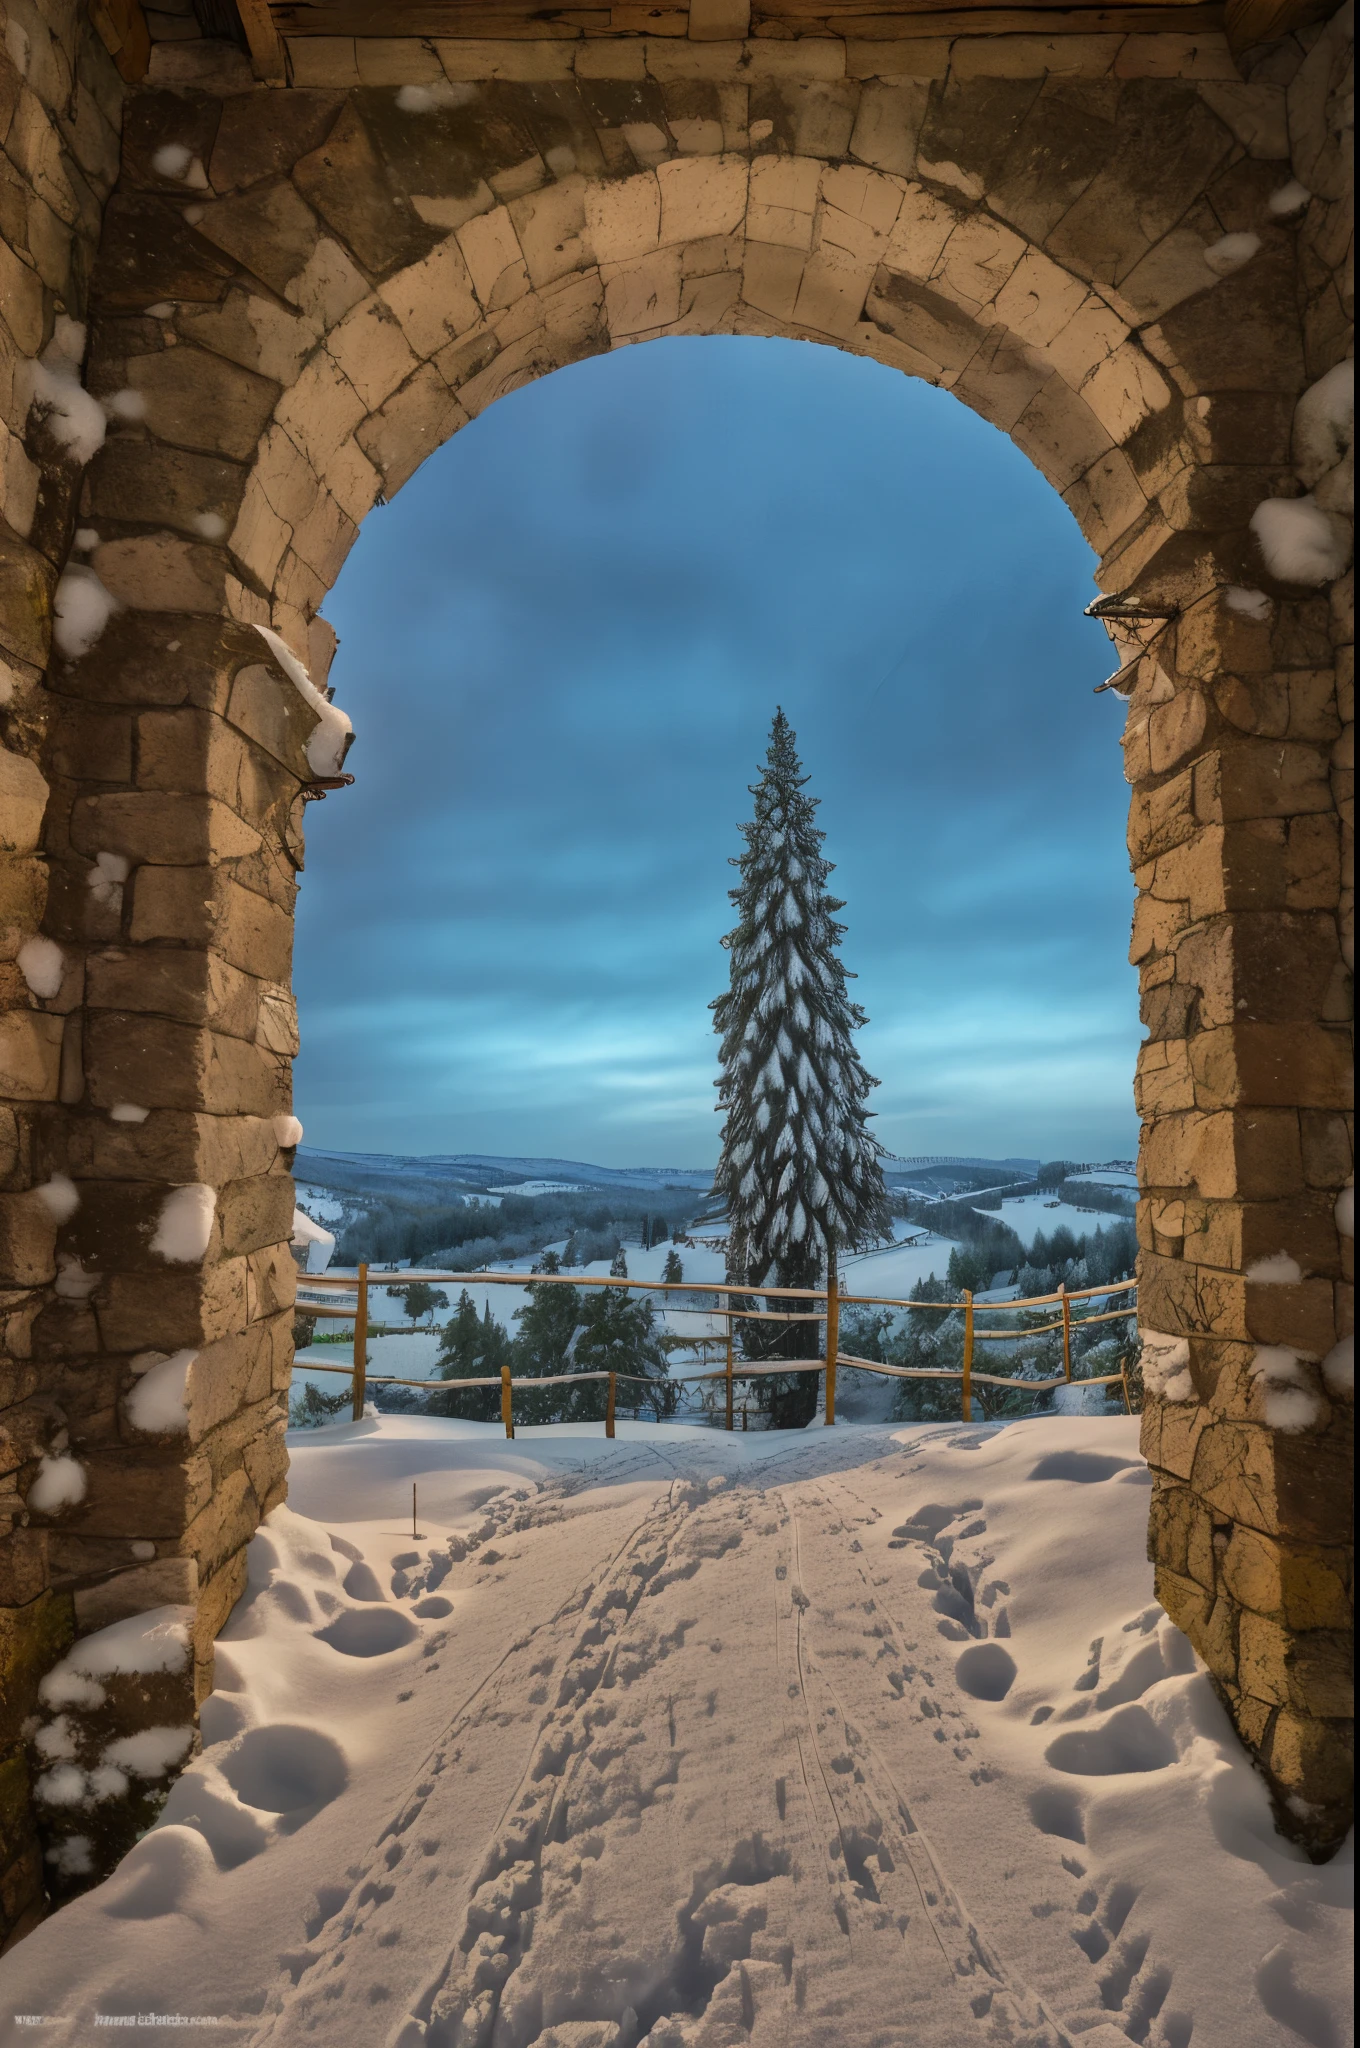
[300, 289]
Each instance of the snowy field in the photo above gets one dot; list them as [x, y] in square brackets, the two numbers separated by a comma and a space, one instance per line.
[414, 1354]
[1027, 1215]
[865, 1738]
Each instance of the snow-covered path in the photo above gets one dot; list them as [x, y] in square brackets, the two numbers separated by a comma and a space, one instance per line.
[864, 1739]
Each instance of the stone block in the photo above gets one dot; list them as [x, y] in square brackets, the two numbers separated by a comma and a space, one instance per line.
[134, 1496]
[320, 412]
[171, 1309]
[191, 987]
[30, 1055]
[271, 1281]
[28, 1238]
[162, 573]
[201, 906]
[922, 57]
[806, 57]
[532, 61]
[415, 420]
[783, 201]
[345, 182]
[27, 581]
[1315, 1758]
[164, 1582]
[701, 196]
[217, 1596]
[256, 1213]
[1169, 1434]
[162, 826]
[1188, 1606]
[623, 219]
[433, 302]
[888, 124]
[642, 295]
[1299, 1587]
[1296, 1064]
[33, 1637]
[262, 135]
[23, 803]
[1243, 335]
[148, 252]
[150, 481]
[372, 351]
[234, 1373]
[197, 400]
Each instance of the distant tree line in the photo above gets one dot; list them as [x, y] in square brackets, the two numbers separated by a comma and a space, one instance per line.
[475, 1234]
[933, 1337]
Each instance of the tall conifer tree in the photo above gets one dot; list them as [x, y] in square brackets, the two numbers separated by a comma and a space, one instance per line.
[799, 1170]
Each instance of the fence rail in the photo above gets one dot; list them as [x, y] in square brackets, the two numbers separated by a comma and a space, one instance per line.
[830, 1297]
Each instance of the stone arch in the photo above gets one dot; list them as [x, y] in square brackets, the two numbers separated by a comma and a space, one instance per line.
[299, 294]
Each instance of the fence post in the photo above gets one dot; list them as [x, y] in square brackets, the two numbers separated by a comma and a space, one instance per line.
[609, 1409]
[361, 1346]
[833, 1330]
[967, 1354]
[728, 1315]
[1067, 1330]
[507, 1399]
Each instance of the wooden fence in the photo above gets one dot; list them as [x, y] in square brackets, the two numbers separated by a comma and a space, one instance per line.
[730, 1305]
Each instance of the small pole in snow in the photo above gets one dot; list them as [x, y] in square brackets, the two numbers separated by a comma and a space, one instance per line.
[414, 1530]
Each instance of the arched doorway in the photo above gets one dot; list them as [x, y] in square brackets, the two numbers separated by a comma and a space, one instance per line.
[299, 295]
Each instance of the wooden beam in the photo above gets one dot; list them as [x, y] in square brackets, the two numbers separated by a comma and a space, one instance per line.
[976, 18]
[860, 20]
[267, 58]
[870, 17]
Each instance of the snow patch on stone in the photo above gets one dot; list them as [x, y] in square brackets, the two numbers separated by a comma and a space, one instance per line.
[75, 420]
[1254, 604]
[1324, 423]
[60, 1197]
[184, 1225]
[106, 878]
[42, 963]
[1338, 1369]
[151, 1752]
[128, 1113]
[1230, 252]
[174, 160]
[329, 743]
[1344, 1211]
[1287, 199]
[60, 1484]
[287, 1132]
[125, 405]
[431, 99]
[73, 1282]
[156, 1640]
[1166, 1366]
[159, 1403]
[1278, 1270]
[81, 608]
[1299, 542]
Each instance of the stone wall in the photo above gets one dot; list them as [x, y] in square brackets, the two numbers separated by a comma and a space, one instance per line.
[1095, 243]
[61, 101]
[1243, 852]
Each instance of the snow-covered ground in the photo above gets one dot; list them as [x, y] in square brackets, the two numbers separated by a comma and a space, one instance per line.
[864, 1738]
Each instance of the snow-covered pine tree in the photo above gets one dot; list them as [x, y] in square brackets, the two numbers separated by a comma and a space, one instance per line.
[799, 1170]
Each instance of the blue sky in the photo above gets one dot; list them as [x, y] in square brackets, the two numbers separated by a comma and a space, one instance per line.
[562, 644]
